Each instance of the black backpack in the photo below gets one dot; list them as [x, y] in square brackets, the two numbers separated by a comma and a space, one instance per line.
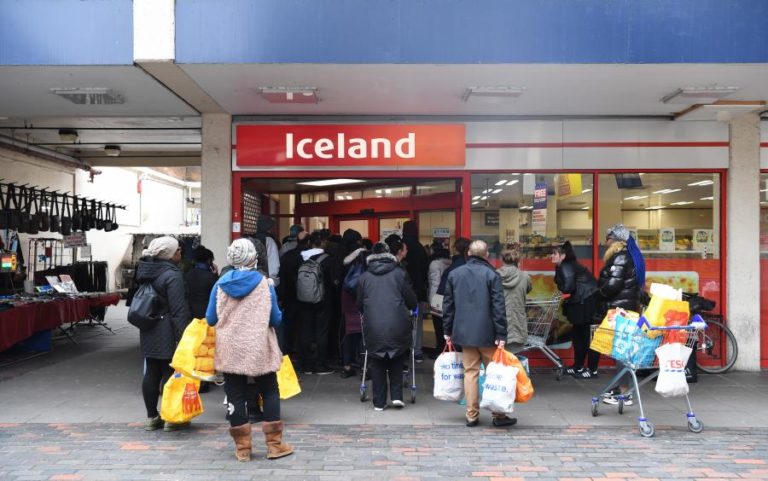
[146, 307]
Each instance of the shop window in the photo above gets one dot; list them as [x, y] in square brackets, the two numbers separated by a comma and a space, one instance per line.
[312, 197]
[387, 192]
[675, 219]
[534, 212]
[437, 187]
[347, 194]
[312, 224]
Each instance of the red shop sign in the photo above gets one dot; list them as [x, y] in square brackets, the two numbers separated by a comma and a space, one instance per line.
[350, 145]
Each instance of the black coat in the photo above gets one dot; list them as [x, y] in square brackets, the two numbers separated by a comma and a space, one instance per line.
[199, 283]
[474, 313]
[160, 341]
[417, 264]
[456, 262]
[385, 298]
[618, 285]
[573, 278]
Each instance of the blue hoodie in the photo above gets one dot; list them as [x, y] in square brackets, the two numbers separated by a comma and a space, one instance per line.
[238, 284]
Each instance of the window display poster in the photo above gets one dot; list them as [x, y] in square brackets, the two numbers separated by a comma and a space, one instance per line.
[539, 213]
[492, 219]
[441, 232]
[567, 185]
[702, 240]
[667, 239]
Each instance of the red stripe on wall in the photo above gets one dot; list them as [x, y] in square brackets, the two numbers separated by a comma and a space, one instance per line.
[559, 145]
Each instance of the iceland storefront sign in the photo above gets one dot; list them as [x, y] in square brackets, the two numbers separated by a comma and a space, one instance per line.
[350, 145]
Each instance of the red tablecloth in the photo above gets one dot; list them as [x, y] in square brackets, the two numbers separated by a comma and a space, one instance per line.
[21, 322]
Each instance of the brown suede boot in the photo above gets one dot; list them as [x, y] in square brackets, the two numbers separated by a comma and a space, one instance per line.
[242, 436]
[273, 433]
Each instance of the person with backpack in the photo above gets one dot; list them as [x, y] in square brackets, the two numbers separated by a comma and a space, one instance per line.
[314, 288]
[385, 298]
[161, 285]
[579, 289]
[243, 307]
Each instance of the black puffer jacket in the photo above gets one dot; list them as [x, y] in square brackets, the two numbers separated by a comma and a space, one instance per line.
[573, 278]
[618, 284]
[385, 298]
[160, 341]
[474, 313]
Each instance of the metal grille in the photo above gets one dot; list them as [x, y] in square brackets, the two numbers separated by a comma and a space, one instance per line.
[251, 212]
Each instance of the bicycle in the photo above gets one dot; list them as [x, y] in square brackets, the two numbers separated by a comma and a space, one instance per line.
[716, 347]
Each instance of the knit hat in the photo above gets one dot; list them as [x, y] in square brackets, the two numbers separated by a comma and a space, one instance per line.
[162, 248]
[617, 232]
[242, 254]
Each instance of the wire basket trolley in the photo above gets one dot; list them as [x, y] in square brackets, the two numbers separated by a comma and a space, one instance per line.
[541, 314]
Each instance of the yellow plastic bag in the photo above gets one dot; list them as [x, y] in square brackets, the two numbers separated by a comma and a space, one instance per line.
[194, 354]
[656, 310]
[181, 401]
[287, 381]
[602, 340]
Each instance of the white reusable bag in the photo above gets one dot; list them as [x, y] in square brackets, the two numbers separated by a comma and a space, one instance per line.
[672, 360]
[449, 375]
[499, 389]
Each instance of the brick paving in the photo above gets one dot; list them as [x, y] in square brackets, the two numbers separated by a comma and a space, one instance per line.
[96, 451]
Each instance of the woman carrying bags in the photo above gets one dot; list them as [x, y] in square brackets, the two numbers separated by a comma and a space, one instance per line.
[243, 307]
[579, 290]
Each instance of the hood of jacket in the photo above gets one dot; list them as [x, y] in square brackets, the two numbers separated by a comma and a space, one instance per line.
[510, 276]
[238, 284]
[305, 255]
[149, 269]
[380, 264]
[353, 255]
[264, 223]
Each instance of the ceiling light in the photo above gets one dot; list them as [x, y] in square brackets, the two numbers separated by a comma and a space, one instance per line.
[289, 95]
[348, 197]
[682, 202]
[496, 191]
[636, 197]
[654, 207]
[513, 182]
[326, 182]
[501, 182]
[378, 191]
[702, 183]
[698, 95]
[68, 135]
[90, 95]
[112, 150]
[498, 92]
[707, 198]
[475, 202]
[484, 197]
[526, 207]
[387, 191]
[475, 197]
[585, 208]
[586, 190]
[666, 191]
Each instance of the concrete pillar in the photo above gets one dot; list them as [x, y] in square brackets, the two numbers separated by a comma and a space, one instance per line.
[743, 240]
[216, 194]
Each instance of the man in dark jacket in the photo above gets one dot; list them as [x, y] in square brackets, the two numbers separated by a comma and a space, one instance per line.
[385, 298]
[199, 281]
[474, 317]
[416, 262]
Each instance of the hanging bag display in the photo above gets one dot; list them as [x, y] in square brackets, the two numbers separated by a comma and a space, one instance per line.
[12, 207]
[33, 209]
[77, 216]
[66, 216]
[108, 219]
[55, 222]
[500, 387]
[87, 214]
[449, 375]
[44, 214]
[23, 209]
[99, 221]
[114, 217]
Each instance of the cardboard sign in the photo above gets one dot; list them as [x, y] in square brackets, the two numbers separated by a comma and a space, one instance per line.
[77, 239]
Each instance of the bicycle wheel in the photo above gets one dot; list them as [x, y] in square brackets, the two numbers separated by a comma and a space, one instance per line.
[717, 349]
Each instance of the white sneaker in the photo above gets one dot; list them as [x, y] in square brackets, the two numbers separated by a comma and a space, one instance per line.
[398, 403]
[378, 409]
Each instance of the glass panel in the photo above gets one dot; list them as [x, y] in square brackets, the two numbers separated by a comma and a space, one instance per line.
[675, 218]
[389, 226]
[360, 225]
[312, 197]
[387, 191]
[437, 187]
[287, 203]
[347, 195]
[437, 226]
[312, 224]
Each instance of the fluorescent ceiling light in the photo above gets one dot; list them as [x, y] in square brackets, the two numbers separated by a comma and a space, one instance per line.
[485, 197]
[526, 207]
[698, 95]
[707, 198]
[682, 202]
[499, 92]
[475, 202]
[513, 182]
[112, 150]
[636, 197]
[586, 190]
[666, 191]
[701, 183]
[496, 191]
[378, 191]
[326, 182]
[387, 191]
[501, 182]
[475, 197]
[585, 208]
[654, 207]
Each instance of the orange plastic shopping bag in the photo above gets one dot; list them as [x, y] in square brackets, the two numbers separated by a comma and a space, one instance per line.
[524, 387]
[181, 401]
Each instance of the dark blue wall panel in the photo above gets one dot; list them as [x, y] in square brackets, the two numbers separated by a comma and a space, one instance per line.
[66, 32]
[472, 31]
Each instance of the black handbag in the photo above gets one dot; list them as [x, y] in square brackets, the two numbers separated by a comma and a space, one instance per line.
[34, 217]
[66, 217]
[87, 216]
[77, 216]
[108, 219]
[115, 225]
[23, 210]
[12, 208]
[3, 209]
[44, 214]
[99, 221]
[55, 221]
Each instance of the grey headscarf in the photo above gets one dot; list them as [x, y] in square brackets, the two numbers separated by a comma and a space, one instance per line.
[242, 254]
[162, 248]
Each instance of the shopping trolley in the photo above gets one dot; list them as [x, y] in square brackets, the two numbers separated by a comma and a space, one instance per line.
[408, 378]
[635, 349]
[541, 314]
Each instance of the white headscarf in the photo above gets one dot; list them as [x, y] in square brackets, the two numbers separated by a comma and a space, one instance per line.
[162, 248]
[242, 254]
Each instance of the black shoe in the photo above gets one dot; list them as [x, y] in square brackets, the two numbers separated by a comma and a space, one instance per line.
[505, 421]
[419, 359]
[473, 423]
[345, 373]
[323, 370]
